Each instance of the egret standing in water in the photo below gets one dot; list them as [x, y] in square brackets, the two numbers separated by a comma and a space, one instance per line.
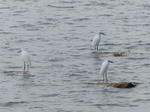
[104, 68]
[26, 59]
[96, 40]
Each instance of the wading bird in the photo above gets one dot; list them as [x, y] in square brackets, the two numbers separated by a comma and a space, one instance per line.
[96, 40]
[104, 68]
[26, 59]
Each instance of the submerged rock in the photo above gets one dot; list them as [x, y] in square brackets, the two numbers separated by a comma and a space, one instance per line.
[117, 85]
[123, 85]
[116, 54]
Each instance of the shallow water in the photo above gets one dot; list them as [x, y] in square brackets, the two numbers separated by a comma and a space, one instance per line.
[58, 36]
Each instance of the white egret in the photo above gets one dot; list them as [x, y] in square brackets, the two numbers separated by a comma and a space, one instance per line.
[26, 59]
[96, 40]
[104, 68]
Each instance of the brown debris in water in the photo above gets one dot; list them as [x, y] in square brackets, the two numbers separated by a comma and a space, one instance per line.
[117, 85]
[116, 54]
[123, 85]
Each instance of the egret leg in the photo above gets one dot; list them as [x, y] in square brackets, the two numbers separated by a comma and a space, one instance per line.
[97, 48]
[106, 78]
[28, 68]
[24, 67]
[103, 77]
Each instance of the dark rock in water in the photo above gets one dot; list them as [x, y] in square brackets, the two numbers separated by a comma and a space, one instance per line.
[116, 54]
[117, 85]
[123, 85]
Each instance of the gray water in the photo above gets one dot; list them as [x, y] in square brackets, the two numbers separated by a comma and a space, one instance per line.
[58, 36]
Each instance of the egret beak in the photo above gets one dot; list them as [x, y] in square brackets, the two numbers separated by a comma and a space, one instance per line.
[111, 61]
[103, 33]
[19, 51]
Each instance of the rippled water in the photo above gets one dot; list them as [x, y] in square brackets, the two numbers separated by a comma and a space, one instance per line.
[58, 36]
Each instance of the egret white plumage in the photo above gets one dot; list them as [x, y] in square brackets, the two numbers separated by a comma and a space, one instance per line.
[96, 40]
[26, 59]
[104, 68]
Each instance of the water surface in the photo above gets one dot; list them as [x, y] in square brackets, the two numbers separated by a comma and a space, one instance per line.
[58, 36]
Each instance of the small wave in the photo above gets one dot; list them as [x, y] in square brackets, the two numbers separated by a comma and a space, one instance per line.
[50, 95]
[8, 104]
[61, 6]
